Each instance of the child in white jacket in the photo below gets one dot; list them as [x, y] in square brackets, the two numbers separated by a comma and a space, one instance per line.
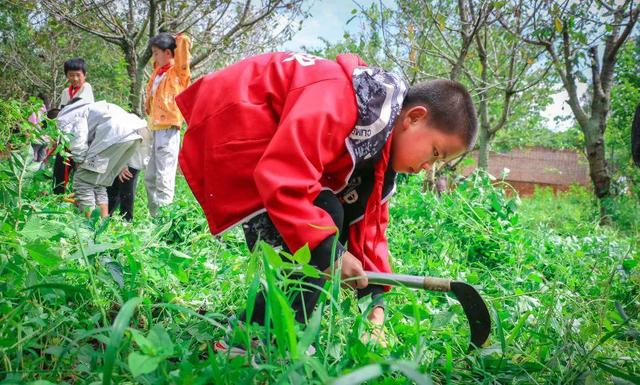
[103, 138]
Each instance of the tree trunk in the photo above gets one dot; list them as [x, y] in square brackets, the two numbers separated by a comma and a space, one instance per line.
[136, 75]
[598, 169]
[137, 87]
[598, 172]
[484, 146]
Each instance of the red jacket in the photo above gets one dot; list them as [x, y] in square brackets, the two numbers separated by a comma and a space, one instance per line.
[270, 132]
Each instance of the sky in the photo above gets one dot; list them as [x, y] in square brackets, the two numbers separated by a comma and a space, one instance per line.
[560, 108]
[329, 19]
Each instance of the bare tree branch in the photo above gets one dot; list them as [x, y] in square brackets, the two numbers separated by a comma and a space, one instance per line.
[633, 19]
[57, 9]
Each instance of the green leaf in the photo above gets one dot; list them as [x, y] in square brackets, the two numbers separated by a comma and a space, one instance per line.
[516, 330]
[311, 271]
[54, 350]
[360, 375]
[115, 269]
[36, 228]
[440, 319]
[96, 248]
[42, 254]
[142, 364]
[161, 340]
[413, 310]
[303, 255]
[273, 258]
[180, 254]
[117, 331]
[146, 346]
[284, 325]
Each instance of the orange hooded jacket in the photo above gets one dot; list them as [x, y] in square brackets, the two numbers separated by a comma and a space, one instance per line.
[161, 107]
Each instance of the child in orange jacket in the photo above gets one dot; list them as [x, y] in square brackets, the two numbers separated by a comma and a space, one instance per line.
[171, 75]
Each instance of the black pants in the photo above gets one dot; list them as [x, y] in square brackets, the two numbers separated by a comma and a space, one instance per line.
[122, 194]
[261, 228]
[62, 174]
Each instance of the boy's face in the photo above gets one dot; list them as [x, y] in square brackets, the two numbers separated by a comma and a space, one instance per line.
[76, 78]
[417, 144]
[161, 56]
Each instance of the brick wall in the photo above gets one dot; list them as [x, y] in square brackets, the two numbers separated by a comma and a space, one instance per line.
[539, 166]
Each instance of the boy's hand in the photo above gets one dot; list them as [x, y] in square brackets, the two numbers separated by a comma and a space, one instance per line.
[125, 174]
[351, 268]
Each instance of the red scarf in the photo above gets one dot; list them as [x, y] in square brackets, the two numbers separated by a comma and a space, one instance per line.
[73, 91]
[163, 69]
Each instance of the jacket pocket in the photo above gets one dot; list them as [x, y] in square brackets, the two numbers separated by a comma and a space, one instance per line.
[230, 188]
[218, 157]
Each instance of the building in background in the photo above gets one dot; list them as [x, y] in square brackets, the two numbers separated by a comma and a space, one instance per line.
[538, 166]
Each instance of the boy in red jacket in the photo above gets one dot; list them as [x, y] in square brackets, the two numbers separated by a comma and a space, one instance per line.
[295, 146]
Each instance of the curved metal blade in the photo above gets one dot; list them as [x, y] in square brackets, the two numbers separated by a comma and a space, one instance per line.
[476, 311]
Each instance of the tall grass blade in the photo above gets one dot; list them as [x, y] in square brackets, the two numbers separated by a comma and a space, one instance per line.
[360, 375]
[117, 331]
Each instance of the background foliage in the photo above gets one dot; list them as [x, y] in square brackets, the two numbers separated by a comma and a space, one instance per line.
[90, 301]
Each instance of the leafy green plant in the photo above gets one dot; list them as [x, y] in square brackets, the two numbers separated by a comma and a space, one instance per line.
[90, 301]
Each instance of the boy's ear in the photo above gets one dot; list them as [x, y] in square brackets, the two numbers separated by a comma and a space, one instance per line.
[417, 113]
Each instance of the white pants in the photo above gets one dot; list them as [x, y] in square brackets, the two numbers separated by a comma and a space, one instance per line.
[160, 174]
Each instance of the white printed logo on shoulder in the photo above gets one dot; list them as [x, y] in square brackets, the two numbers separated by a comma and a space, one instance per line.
[304, 59]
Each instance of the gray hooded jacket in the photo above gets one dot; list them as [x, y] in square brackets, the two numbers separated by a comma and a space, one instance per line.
[95, 127]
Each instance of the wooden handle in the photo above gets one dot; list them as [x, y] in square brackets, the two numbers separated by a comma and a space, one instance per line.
[437, 284]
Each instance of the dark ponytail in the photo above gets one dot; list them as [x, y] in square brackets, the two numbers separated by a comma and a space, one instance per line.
[163, 41]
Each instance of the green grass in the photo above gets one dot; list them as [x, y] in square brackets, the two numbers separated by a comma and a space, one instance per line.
[85, 302]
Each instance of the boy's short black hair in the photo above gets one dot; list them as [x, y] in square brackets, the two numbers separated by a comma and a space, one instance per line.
[77, 98]
[163, 41]
[53, 113]
[450, 106]
[75, 64]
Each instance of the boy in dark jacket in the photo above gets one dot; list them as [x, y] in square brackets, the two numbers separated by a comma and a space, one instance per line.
[295, 146]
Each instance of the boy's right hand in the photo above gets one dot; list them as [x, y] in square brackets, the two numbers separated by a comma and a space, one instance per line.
[351, 268]
[125, 175]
